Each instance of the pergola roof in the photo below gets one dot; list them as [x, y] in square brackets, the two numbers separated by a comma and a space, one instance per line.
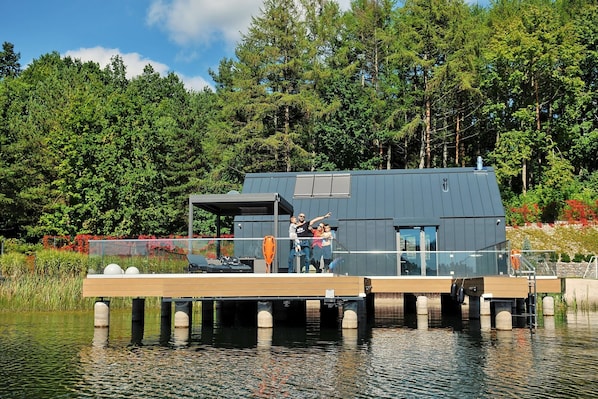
[241, 204]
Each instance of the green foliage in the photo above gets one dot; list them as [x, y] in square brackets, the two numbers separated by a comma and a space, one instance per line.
[11, 245]
[9, 61]
[386, 84]
[565, 257]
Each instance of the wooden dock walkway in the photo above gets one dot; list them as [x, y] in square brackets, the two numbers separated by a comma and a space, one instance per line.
[222, 286]
[311, 286]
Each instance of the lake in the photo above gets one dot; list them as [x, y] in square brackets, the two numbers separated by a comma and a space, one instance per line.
[59, 355]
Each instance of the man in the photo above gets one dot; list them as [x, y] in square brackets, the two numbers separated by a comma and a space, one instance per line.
[305, 234]
[295, 249]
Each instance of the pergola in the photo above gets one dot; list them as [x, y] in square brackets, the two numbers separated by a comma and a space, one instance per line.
[235, 204]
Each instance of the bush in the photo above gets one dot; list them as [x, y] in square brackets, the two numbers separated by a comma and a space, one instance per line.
[577, 258]
[13, 245]
[49, 263]
[565, 258]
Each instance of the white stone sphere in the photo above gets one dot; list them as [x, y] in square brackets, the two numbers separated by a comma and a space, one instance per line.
[132, 270]
[113, 268]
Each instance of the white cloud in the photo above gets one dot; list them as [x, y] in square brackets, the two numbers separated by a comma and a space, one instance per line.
[135, 63]
[195, 83]
[189, 22]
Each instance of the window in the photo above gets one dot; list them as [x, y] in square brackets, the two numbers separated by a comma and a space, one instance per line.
[323, 186]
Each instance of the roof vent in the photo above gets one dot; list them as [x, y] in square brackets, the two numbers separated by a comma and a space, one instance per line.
[480, 164]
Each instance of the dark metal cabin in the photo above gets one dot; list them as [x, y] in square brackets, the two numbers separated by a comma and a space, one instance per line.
[395, 222]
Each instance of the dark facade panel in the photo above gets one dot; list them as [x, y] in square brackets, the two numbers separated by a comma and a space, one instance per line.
[461, 204]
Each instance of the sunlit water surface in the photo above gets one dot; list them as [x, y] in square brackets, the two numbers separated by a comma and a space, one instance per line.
[53, 355]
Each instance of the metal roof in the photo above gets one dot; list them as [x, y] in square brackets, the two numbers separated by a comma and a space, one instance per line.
[405, 195]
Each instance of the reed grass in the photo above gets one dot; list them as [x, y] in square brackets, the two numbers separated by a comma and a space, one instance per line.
[52, 280]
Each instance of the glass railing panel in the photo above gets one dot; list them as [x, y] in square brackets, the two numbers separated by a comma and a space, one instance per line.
[171, 256]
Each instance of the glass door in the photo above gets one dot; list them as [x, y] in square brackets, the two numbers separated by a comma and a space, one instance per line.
[417, 251]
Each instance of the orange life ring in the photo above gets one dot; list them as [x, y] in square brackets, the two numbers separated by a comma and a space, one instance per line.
[269, 249]
[515, 255]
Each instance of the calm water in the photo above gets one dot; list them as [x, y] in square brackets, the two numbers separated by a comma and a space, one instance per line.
[53, 355]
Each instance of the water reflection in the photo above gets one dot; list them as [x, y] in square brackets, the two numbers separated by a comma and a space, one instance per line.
[62, 355]
[100, 337]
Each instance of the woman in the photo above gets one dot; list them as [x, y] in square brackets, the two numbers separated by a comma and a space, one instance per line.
[327, 237]
[316, 247]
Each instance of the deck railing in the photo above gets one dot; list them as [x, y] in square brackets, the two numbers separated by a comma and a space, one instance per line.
[170, 256]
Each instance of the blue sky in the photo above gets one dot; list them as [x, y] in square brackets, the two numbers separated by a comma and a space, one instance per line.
[187, 37]
[183, 36]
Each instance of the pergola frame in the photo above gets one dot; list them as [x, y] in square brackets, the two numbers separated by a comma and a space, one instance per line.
[240, 205]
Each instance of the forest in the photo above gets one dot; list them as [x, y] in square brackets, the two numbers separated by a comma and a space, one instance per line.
[385, 84]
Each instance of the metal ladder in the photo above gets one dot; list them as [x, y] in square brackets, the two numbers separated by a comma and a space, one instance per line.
[529, 270]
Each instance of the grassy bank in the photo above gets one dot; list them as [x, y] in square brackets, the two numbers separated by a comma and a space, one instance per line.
[562, 238]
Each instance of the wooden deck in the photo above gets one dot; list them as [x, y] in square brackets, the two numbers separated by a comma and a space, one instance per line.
[497, 286]
[225, 286]
[301, 285]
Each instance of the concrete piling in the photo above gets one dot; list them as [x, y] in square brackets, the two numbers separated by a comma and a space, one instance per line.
[350, 317]
[504, 318]
[182, 314]
[101, 313]
[264, 315]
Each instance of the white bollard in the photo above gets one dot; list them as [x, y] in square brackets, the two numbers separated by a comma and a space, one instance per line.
[504, 319]
[182, 315]
[101, 311]
[350, 319]
[264, 315]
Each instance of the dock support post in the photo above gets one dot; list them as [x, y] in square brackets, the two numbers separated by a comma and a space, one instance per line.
[485, 309]
[137, 320]
[474, 307]
[504, 318]
[101, 313]
[165, 321]
[264, 315]
[350, 316]
[421, 310]
[548, 306]
[264, 338]
[101, 322]
[182, 314]
[485, 313]
[421, 305]
[207, 313]
[182, 322]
